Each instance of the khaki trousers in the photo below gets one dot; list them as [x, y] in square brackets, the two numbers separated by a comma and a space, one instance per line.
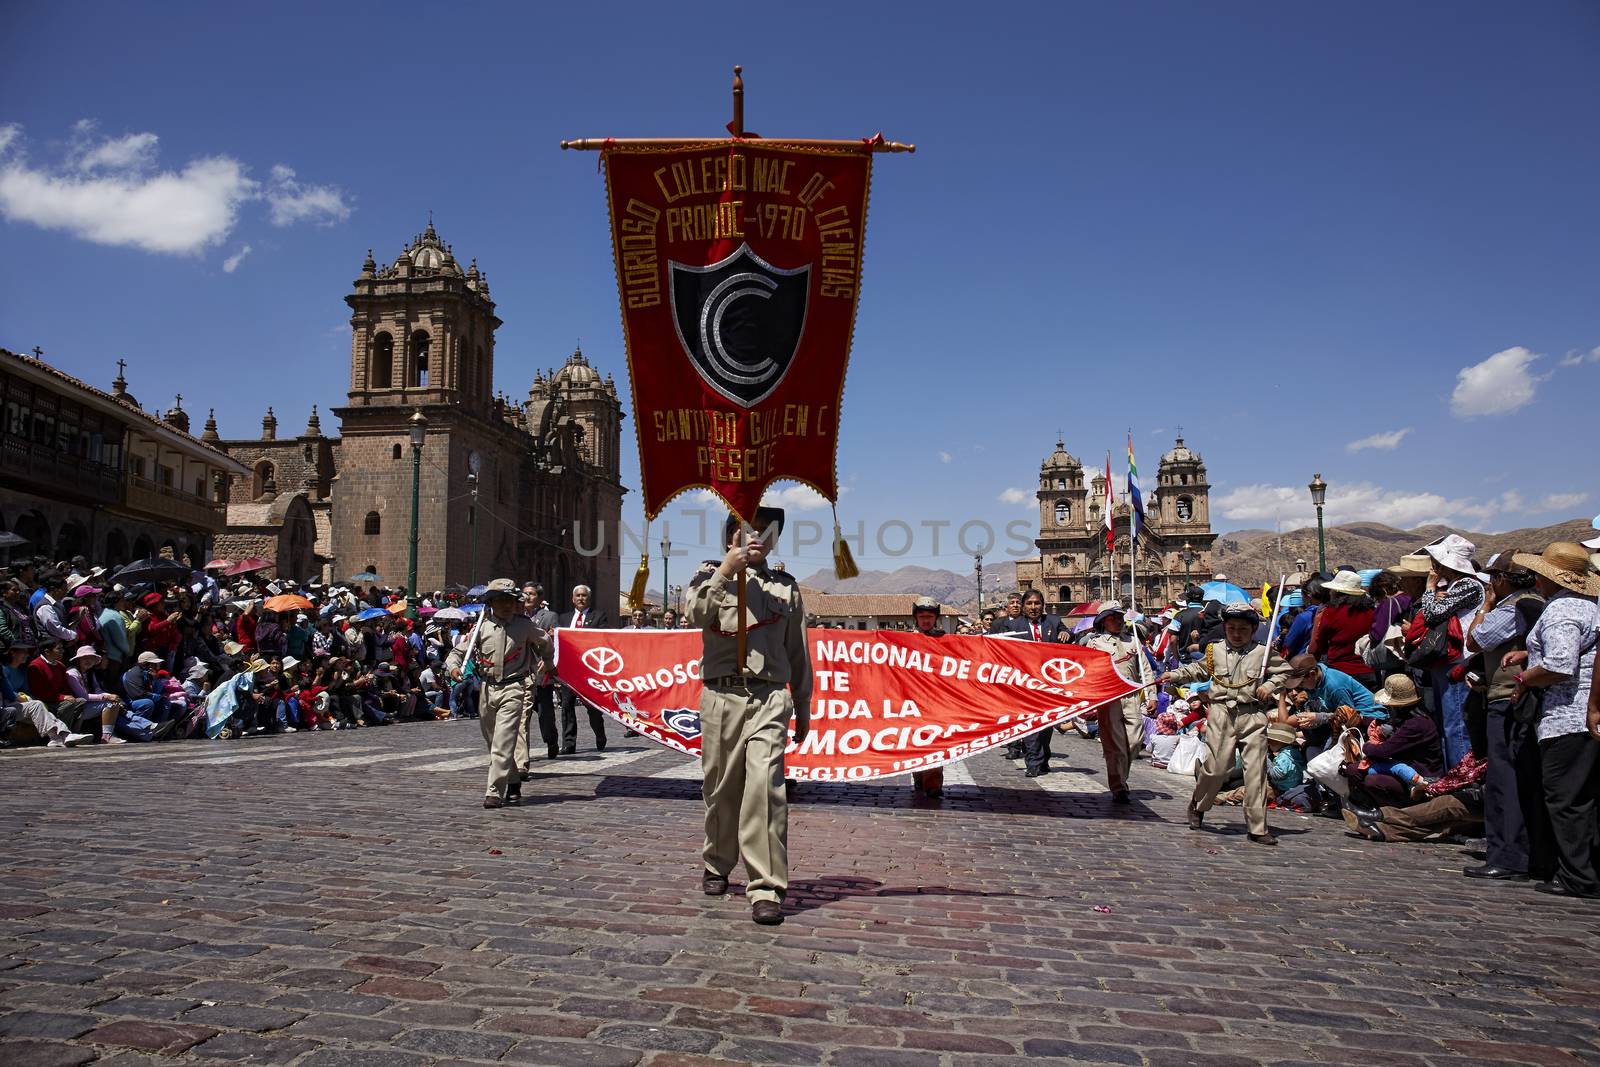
[499, 711]
[1226, 730]
[1434, 817]
[742, 738]
[1121, 734]
[524, 755]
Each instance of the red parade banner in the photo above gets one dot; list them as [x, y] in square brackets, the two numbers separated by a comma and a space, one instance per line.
[884, 702]
[738, 267]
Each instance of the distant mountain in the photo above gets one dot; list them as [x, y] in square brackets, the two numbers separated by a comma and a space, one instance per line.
[1249, 557]
[948, 587]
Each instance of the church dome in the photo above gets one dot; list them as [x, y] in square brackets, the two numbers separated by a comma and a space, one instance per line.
[427, 258]
[1060, 459]
[1180, 453]
[577, 373]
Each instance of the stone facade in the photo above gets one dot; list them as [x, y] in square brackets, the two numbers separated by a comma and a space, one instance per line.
[1174, 543]
[505, 489]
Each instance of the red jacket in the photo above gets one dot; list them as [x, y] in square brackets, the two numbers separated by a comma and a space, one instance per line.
[1338, 628]
[47, 681]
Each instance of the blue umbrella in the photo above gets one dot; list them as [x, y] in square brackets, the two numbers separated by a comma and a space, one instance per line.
[372, 613]
[365, 576]
[477, 591]
[1224, 593]
[472, 609]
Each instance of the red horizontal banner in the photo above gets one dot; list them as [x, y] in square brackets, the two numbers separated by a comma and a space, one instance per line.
[739, 268]
[884, 702]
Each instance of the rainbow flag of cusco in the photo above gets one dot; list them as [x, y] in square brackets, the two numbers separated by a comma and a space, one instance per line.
[1135, 499]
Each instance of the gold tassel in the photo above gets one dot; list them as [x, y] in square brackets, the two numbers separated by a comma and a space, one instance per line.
[844, 564]
[641, 577]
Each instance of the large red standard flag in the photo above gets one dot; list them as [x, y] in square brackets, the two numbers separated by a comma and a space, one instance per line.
[739, 267]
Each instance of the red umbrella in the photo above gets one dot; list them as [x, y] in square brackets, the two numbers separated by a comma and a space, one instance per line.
[218, 565]
[1092, 607]
[249, 566]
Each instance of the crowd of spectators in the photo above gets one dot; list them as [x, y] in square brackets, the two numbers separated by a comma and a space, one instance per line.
[157, 652]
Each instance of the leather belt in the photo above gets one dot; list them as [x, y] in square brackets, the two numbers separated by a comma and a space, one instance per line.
[738, 681]
[506, 681]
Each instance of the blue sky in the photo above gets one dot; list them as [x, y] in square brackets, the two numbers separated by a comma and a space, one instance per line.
[1292, 229]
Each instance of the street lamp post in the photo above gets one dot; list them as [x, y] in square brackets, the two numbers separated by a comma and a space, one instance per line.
[472, 520]
[666, 590]
[977, 562]
[419, 430]
[1319, 496]
[1188, 555]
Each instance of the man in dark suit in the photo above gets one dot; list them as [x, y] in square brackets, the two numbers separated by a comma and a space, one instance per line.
[581, 617]
[1035, 625]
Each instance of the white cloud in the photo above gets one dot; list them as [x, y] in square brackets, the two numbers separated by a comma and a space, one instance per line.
[1365, 502]
[795, 498]
[292, 202]
[1498, 386]
[945, 457]
[1015, 496]
[1386, 442]
[1560, 501]
[1573, 359]
[136, 151]
[231, 264]
[109, 191]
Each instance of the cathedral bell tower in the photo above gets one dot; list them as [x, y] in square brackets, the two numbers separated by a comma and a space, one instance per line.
[422, 330]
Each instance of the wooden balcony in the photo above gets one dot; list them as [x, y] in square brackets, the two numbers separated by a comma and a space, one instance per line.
[174, 506]
[49, 472]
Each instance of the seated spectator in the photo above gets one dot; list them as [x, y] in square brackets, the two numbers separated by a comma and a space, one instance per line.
[1393, 765]
[19, 713]
[83, 682]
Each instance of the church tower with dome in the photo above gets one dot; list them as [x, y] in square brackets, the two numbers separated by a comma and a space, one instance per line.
[1174, 543]
[507, 490]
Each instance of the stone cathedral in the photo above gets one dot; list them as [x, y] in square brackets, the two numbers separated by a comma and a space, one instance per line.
[524, 490]
[1175, 542]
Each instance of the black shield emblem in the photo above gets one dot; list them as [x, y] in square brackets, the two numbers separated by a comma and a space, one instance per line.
[740, 322]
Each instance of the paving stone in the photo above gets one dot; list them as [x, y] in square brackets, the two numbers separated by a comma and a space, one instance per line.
[29, 1053]
[166, 1038]
[45, 1024]
[253, 1048]
[237, 1018]
[466, 1043]
[571, 1054]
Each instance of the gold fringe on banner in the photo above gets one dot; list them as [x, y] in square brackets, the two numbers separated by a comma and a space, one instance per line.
[641, 577]
[844, 564]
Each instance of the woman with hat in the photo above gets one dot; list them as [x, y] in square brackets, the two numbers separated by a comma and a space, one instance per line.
[1453, 596]
[1346, 620]
[1560, 668]
[1401, 764]
[84, 684]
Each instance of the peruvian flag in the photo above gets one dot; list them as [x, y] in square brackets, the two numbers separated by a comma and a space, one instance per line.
[1111, 534]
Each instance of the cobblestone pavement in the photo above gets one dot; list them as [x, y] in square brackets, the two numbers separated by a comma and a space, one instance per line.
[342, 899]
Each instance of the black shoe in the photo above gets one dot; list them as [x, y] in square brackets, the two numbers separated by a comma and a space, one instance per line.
[1555, 887]
[1500, 874]
[514, 793]
[523, 774]
[766, 912]
[1121, 797]
[1035, 772]
[569, 750]
[599, 744]
[493, 802]
[713, 885]
[552, 752]
[1262, 839]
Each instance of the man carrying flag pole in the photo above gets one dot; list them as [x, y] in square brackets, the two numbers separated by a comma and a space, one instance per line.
[1111, 534]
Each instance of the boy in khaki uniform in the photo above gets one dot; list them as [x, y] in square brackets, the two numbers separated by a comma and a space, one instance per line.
[1242, 694]
[506, 649]
[1121, 721]
[745, 711]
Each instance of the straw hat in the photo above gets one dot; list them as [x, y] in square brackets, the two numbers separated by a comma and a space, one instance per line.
[1565, 563]
[1453, 551]
[1398, 692]
[1282, 733]
[1108, 609]
[1347, 582]
[1415, 564]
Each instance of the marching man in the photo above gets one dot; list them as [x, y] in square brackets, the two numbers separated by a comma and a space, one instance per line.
[1242, 694]
[1121, 721]
[505, 649]
[745, 711]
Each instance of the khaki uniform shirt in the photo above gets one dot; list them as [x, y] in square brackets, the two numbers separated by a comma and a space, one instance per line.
[1234, 672]
[1124, 653]
[505, 652]
[775, 618]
